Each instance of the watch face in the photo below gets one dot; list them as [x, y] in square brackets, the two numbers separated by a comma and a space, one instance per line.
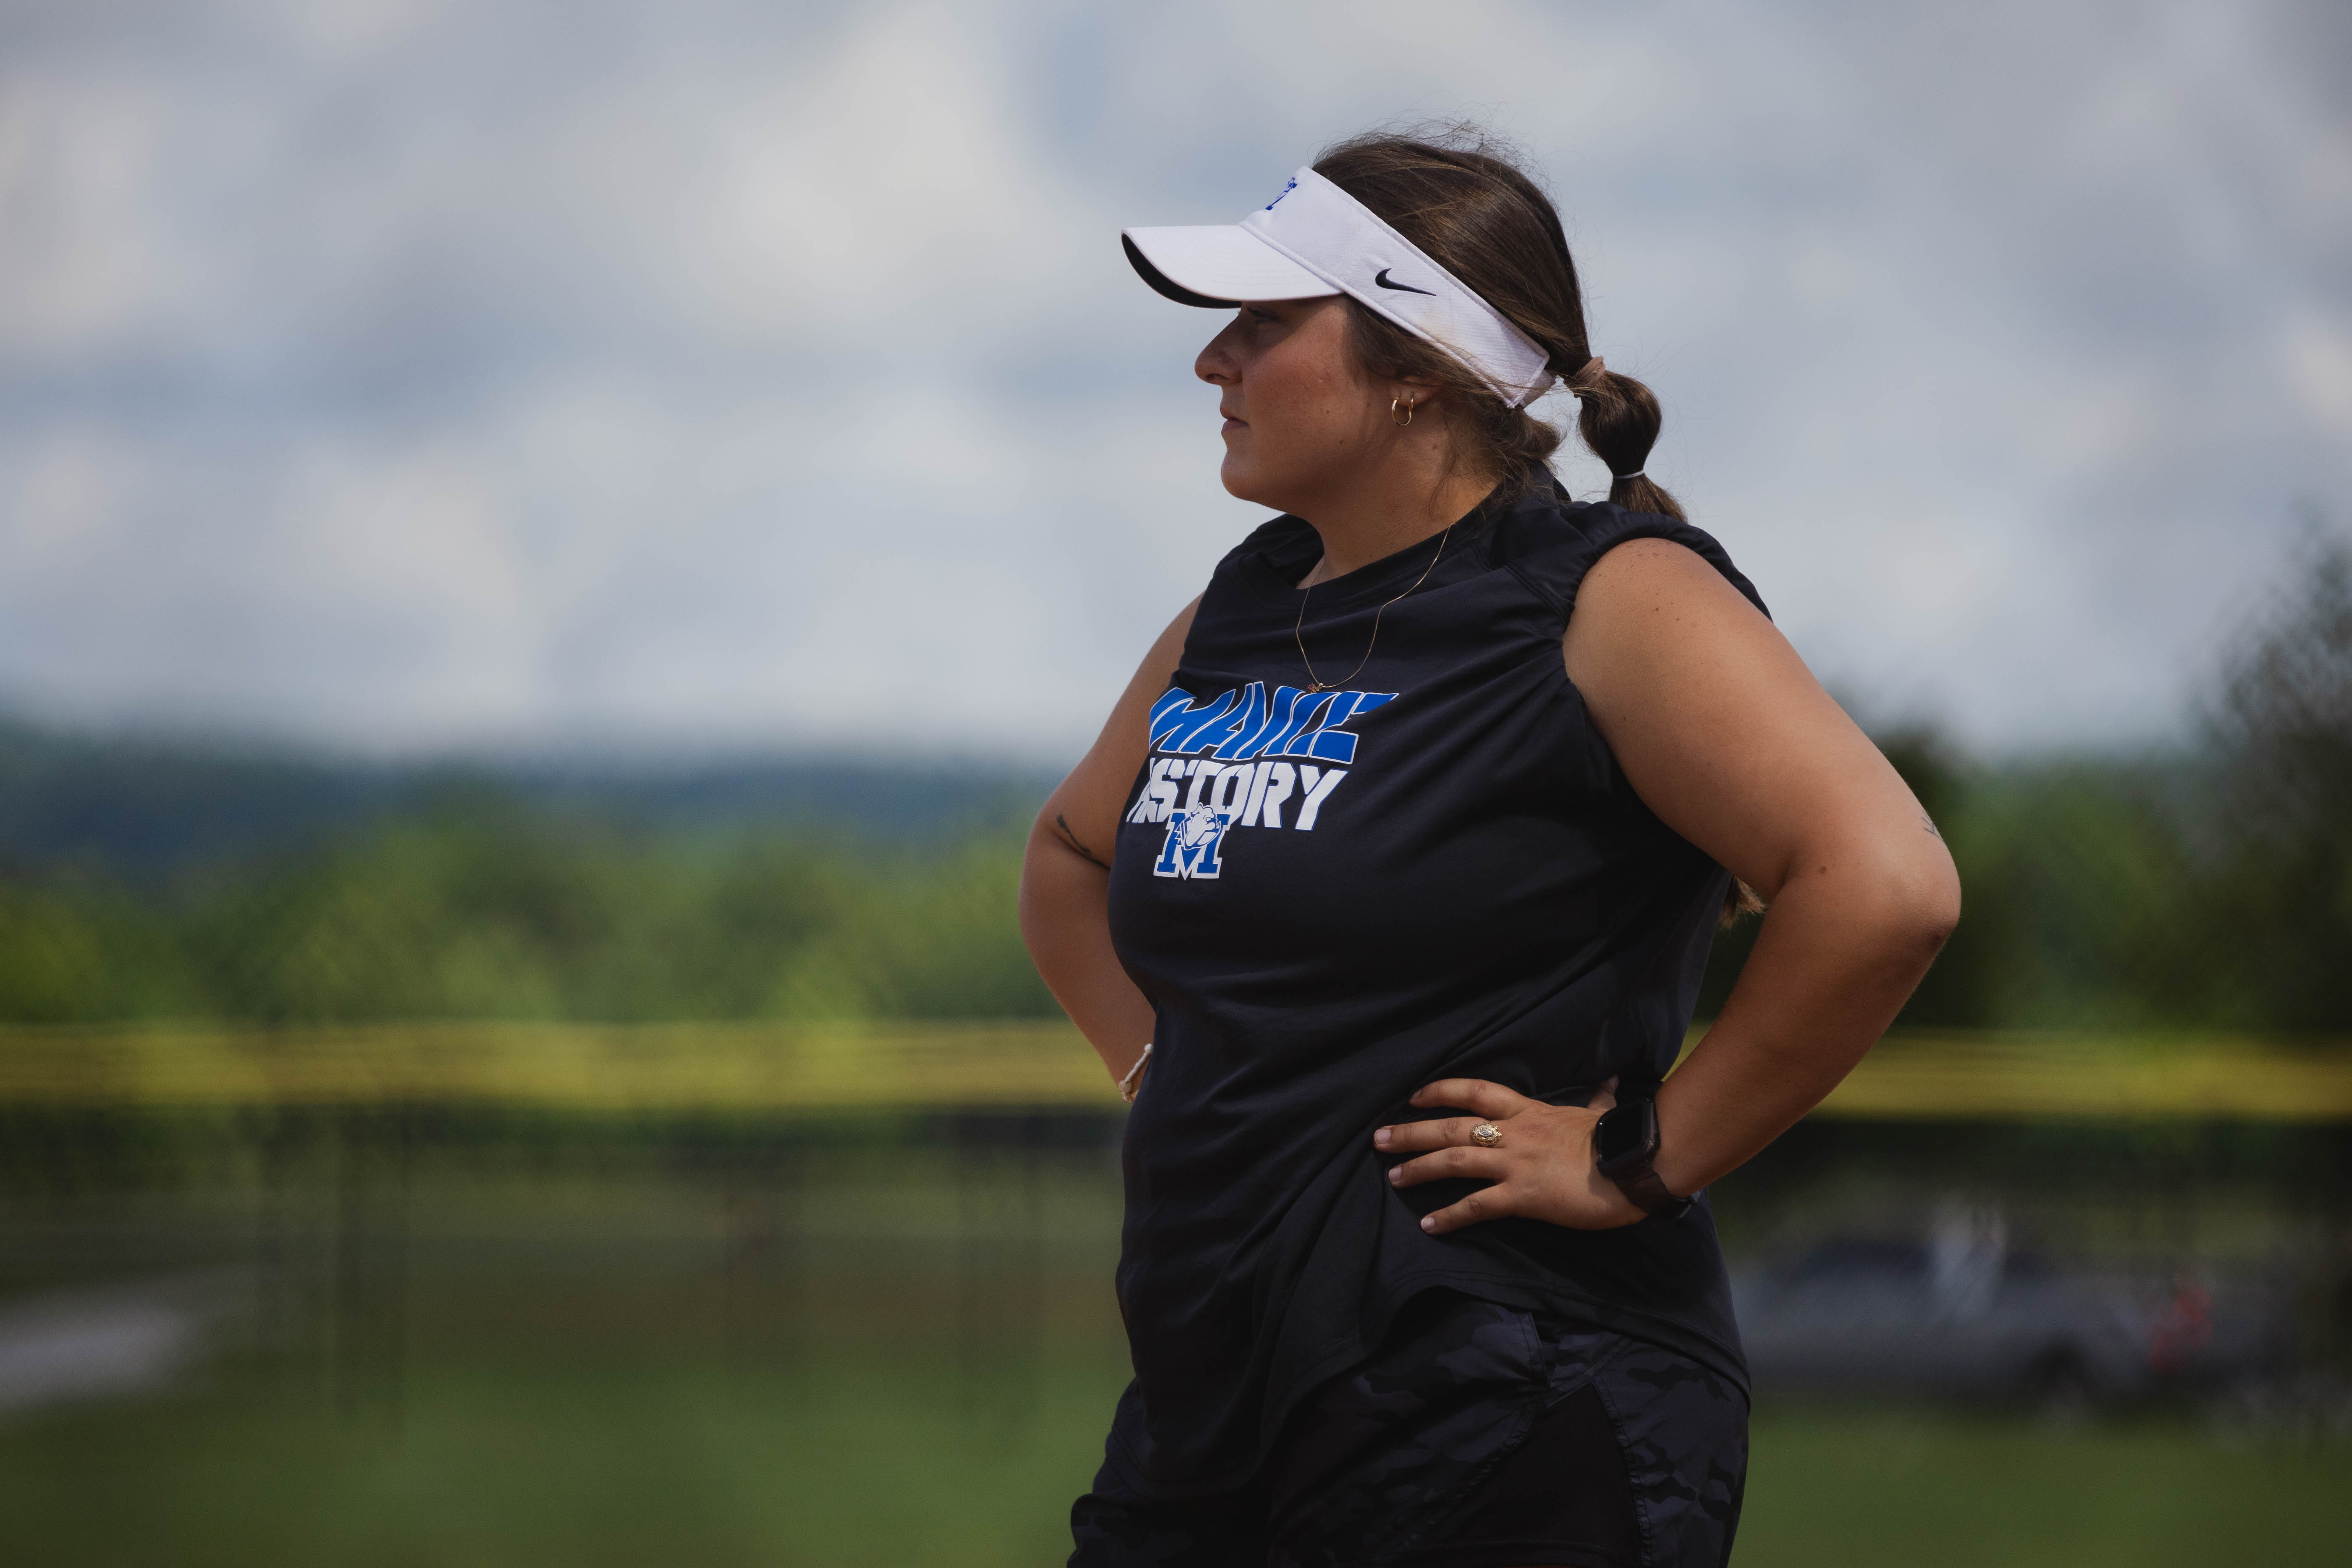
[1624, 1133]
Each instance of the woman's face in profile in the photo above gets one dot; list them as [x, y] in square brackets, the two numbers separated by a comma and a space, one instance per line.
[1300, 414]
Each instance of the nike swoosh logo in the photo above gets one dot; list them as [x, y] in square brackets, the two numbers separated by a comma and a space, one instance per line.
[1381, 277]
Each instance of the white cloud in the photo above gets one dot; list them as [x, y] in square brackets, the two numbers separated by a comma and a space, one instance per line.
[2318, 355]
[890, 189]
[418, 375]
[83, 258]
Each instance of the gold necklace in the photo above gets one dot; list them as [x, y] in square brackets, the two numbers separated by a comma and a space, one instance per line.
[1298, 636]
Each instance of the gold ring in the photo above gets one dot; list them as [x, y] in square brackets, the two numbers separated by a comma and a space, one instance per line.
[1487, 1135]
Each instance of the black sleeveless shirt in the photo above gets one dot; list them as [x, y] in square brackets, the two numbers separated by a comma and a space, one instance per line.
[1333, 898]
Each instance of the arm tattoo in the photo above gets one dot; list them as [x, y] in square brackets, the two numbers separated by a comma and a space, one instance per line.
[1073, 840]
[1928, 822]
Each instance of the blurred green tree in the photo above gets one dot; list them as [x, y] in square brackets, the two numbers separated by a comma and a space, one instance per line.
[481, 908]
[2275, 906]
[53, 960]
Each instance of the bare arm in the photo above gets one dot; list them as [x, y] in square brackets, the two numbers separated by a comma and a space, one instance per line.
[1065, 874]
[1727, 736]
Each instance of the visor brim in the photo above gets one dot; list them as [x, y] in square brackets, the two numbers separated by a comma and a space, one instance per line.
[1218, 267]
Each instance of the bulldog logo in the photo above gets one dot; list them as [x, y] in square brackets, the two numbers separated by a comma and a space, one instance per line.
[1191, 848]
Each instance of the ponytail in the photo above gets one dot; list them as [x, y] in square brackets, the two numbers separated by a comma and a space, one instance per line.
[1618, 419]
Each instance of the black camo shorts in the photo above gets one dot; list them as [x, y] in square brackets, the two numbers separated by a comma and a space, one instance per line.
[1477, 1436]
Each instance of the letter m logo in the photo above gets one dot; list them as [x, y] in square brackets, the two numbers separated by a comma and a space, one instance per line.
[1191, 850]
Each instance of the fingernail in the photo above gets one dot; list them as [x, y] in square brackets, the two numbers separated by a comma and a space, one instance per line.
[1380, 1139]
[1396, 1175]
[1430, 1224]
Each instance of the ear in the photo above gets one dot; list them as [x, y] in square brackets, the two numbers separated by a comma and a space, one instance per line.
[1412, 394]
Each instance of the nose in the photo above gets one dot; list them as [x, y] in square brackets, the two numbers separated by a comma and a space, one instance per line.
[1216, 364]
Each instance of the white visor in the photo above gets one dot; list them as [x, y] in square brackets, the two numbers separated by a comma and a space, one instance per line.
[1315, 240]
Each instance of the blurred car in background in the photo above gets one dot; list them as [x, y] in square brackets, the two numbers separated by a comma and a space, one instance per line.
[1957, 1312]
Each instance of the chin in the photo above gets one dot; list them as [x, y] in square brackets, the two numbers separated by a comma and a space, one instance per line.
[1258, 490]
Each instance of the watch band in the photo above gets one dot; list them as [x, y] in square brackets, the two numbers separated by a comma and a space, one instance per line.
[1640, 1183]
[1632, 1168]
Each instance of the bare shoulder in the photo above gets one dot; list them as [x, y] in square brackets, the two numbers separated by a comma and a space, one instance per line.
[1169, 648]
[1653, 616]
[1086, 805]
[1719, 725]
[1125, 733]
[1654, 578]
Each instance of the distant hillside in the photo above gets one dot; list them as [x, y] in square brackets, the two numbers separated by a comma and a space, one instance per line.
[145, 809]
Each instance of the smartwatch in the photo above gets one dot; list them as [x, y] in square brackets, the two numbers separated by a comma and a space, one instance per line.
[1625, 1141]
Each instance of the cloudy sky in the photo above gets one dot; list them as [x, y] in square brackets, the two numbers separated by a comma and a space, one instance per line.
[409, 375]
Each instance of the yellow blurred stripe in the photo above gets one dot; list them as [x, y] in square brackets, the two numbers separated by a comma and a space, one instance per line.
[751, 1068]
[664, 1067]
[2054, 1075]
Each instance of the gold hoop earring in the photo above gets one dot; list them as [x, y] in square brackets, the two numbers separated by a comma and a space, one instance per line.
[1409, 408]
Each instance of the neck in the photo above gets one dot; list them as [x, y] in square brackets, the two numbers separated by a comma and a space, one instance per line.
[1384, 513]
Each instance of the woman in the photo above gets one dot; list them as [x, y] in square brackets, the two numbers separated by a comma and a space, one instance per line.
[1403, 850]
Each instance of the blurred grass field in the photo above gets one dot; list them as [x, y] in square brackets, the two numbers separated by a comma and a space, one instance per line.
[903, 1459]
[835, 1343]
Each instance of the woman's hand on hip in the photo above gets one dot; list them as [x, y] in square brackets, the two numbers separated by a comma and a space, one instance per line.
[1542, 1167]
